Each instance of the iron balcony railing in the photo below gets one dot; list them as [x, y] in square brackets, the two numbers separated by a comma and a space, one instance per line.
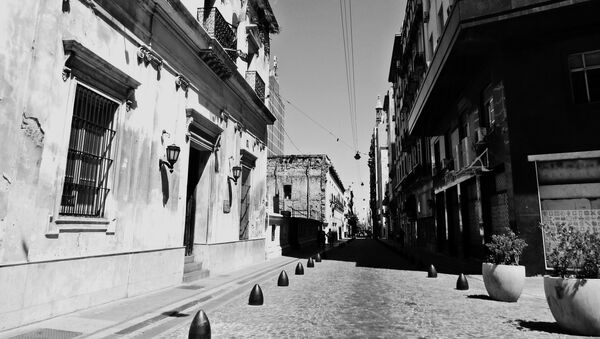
[219, 29]
[257, 84]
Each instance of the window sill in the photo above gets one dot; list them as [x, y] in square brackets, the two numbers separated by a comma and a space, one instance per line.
[65, 224]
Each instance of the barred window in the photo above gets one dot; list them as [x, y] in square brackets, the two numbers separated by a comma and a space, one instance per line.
[89, 156]
[585, 76]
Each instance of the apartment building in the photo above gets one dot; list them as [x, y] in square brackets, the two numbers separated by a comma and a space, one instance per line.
[504, 103]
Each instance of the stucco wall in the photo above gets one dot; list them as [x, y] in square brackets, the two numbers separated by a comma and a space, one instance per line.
[145, 208]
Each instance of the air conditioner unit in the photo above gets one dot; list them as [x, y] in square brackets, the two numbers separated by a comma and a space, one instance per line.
[480, 134]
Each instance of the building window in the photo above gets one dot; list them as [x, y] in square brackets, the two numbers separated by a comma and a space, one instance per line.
[440, 21]
[431, 50]
[488, 109]
[584, 69]
[89, 156]
[437, 154]
[287, 191]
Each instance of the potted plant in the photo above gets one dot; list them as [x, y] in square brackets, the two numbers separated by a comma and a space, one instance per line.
[573, 292]
[503, 277]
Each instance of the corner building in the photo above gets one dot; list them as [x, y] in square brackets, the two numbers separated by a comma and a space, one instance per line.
[502, 89]
[308, 189]
[124, 125]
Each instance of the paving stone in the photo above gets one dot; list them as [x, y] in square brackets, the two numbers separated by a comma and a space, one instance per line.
[366, 290]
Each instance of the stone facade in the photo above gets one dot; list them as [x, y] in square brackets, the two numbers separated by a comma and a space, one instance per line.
[307, 186]
[92, 94]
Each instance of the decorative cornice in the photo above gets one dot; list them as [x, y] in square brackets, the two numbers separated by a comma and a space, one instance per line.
[239, 127]
[66, 72]
[224, 116]
[188, 122]
[182, 82]
[146, 55]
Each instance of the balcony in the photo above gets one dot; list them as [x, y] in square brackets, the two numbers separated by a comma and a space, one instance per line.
[222, 50]
[217, 27]
[257, 84]
[419, 64]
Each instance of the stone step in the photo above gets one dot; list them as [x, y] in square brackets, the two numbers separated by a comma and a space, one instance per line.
[192, 267]
[195, 275]
[188, 259]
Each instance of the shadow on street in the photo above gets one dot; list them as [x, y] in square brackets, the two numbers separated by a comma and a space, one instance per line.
[540, 326]
[363, 252]
[372, 253]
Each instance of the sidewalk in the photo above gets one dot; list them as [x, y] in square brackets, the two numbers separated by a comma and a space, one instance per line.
[137, 316]
[422, 258]
[534, 286]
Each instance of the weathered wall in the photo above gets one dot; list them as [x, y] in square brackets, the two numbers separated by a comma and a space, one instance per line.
[295, 171]
[142, 231]
[37, 93]
[36, 119]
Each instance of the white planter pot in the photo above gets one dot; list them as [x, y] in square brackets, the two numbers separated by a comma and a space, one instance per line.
[574, 303]
[503, 282]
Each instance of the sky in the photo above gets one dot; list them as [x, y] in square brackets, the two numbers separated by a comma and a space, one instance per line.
[312, 76]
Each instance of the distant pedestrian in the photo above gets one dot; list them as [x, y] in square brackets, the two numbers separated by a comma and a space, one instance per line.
[322, 237]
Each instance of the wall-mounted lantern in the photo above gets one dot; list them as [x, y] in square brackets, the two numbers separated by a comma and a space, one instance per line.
[236, 171]
[171, 152]
[172, 155]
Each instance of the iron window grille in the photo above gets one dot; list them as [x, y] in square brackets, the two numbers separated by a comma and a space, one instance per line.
[585, 76]
[89, 155]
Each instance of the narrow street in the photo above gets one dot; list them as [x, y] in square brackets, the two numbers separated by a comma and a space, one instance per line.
[366, 290]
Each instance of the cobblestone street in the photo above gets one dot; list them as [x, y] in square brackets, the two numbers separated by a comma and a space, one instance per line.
[366, 290]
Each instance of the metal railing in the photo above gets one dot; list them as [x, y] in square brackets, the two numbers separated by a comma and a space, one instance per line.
[257, 84]
[89, 155]
[219, 29]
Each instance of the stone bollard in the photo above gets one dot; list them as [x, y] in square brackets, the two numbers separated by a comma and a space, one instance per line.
[299, 269]
[310, 262]
[462, 283]
[318, 257]
[200, 328]
[256, 296]
[283, 279]
[431, 272]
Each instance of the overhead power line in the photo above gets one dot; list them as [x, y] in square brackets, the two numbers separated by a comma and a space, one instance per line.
[320, 125]
[291, 141]
[349, 61]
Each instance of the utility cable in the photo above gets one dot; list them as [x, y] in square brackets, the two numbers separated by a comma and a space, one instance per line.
[320, 125]
[290, 139]
[349, 82]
